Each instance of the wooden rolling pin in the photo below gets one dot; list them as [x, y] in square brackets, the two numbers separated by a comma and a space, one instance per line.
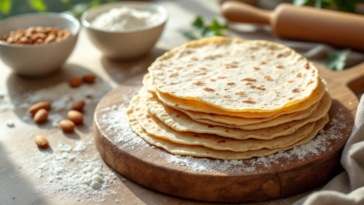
[341, 29]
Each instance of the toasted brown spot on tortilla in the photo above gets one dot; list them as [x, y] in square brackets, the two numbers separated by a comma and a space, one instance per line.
[279, 66]
[241, 93]
[268, 78]
[249, 101]
[263, 62]
[249, 84]
[256, 68]
[307, 66]
[289, 98]
[198, 83]
[249, 79]
[290, 81]
[299, 75]
[198, 74]
[173, 75]
[231, 83]
[279, 55]
[177, 115]
[202, 68]
[212, 79]
[148, 116]
[194, 59]
[221, 77]
[208, 89]
[179, 68]
[260, 88]
[295, 90]
[310, 82]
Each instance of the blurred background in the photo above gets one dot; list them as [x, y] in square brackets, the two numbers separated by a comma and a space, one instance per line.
[76, 7]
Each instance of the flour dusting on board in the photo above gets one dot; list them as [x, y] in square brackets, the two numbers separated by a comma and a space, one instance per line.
[117, 121]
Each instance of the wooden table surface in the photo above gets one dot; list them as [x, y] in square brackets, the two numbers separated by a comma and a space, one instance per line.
[16, 147]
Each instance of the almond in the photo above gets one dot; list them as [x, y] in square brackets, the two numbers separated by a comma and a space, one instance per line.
[41, 141]
[75, 82]
[75, 116]
[41, 116]
[78, 105]
[89, 78]
[41, 105]
[66, 125]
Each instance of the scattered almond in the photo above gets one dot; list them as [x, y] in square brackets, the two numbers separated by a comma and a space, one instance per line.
[89, 78]
[41, 116]
[41, 105]
[66, 125]
[78, 105]
[41, 141]
[75, 82]
[75, 116]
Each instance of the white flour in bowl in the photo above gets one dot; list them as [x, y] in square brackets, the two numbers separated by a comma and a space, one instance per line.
[125, 18]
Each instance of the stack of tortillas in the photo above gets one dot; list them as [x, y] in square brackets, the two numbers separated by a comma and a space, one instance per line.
[230, 99]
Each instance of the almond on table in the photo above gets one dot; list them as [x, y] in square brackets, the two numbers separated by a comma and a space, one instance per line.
[41, 116]
[40, 105]
[75, 116]
[78, 105]
[89, 78]
[41, 141]
[67, 125]
[75, 82]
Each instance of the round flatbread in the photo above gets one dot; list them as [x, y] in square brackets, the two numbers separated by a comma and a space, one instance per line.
[200, 151]
[181, 122]
[320, 111]
[236, 75]
[196, 106]
[152, 125]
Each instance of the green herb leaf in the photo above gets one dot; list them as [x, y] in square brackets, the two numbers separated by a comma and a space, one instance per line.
[337, 60]
[215, 26]
[300, 2]
[5, 6]
[201, 30]
[198, 23]
[38, 5]
[65, 1]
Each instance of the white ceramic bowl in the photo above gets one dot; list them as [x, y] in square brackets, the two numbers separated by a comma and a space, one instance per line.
[125, 44]
[43, 59]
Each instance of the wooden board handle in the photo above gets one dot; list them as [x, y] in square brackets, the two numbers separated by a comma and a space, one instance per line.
[240, 12]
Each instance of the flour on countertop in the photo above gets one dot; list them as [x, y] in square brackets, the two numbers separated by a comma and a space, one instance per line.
[61, 96]
[118, 124]
[66, 170]
[126, 18]
[10, 123]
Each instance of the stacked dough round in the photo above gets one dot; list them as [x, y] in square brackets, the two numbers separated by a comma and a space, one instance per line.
[230, 99]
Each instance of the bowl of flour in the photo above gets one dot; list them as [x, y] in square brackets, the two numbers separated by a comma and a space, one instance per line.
[125, 30]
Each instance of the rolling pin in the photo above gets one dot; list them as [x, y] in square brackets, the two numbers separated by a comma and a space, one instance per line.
[304, 23]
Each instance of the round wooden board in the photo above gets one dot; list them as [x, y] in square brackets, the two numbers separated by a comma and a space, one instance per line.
[149, 166]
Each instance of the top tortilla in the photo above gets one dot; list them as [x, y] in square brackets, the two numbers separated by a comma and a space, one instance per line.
[236, 75]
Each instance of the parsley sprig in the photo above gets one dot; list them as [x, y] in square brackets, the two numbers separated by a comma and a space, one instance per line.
[201, 30]
[337, 60]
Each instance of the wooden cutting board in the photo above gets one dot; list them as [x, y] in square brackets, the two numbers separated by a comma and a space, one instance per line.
[149, 167]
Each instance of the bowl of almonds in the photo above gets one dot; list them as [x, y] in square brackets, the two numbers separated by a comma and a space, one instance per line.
[37, 44]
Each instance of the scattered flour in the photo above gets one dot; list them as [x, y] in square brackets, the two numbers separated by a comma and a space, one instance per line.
[125, 18]
[55, 118]
[65, 170]
[118, 124]
[10, 123]
[61, 96]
